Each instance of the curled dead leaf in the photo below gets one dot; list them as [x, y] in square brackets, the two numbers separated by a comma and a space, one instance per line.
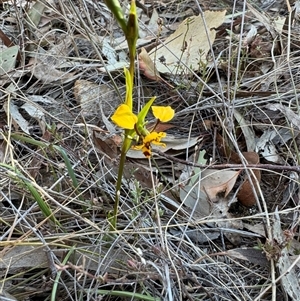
[148, 68]
[146, 65]
[246, 194]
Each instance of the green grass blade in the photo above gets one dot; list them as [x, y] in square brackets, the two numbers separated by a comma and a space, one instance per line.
[18, 176]
[56, 281]
[41, 203]
[68, 165]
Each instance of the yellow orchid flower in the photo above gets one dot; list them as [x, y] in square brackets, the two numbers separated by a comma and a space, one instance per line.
[151, 138]
[124, 118]
[164, 114]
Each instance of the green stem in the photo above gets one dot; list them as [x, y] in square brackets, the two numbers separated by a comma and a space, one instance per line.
[132, 34]
[132, 53]
[125, 147]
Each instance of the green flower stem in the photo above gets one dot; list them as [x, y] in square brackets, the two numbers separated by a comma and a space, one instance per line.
[132, 34]
[131, 67]
[125, 147]
[116, 9]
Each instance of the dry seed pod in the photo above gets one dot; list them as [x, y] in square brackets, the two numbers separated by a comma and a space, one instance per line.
[246, 195]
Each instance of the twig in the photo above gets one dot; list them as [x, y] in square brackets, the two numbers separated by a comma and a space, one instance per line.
[232, 166]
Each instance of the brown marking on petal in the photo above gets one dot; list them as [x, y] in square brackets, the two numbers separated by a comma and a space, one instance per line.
[147, 150]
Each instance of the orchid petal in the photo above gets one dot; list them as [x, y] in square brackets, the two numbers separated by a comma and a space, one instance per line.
[124, 118]
[164, 114]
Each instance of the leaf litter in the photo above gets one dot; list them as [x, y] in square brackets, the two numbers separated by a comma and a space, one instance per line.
[232, 68]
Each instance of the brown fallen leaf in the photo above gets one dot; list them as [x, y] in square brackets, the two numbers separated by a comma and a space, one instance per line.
[107, 145]
[160, 127]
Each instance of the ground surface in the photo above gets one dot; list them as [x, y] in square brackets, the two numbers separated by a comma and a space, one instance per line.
[213, 216]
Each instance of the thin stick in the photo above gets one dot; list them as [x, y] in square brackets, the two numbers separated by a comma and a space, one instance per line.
[232, 166]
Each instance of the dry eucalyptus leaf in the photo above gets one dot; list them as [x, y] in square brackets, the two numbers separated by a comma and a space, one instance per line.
[205, 186]
[109, 52]
[153, 22]
[114, 67]
[41, 99]
[247, 131]
[23, 257]
[257, 228]
[8, 58]
[180, 143]
[264, 19]
[289, 280]
[189, 44]
[203, 198]
[265, 147]
[192, 195]
[108, 145]
[196, 200]
[249, 254]
[34, 15]
[191, 174]
[35, 112]
[216, 182]
[293, 118]
[197, 235]
[172, 143]
[279, 22]
[250, 36]
[226, 221]
[17, 118]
